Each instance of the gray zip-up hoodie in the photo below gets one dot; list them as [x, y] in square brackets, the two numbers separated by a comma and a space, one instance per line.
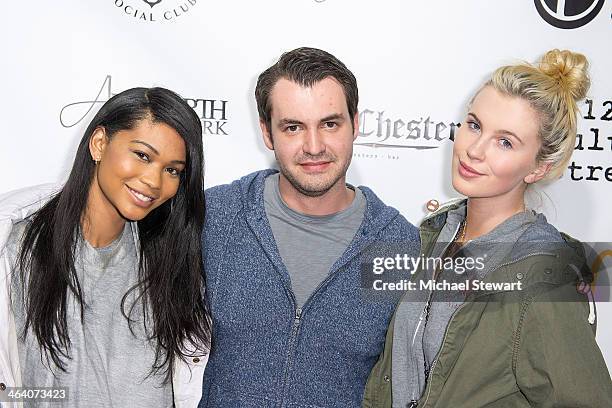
[267, 352]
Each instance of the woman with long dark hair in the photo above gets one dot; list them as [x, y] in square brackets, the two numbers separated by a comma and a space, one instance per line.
[106, 283]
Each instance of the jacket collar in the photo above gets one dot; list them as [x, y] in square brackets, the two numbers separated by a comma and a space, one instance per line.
[377, 216]
[542, 254]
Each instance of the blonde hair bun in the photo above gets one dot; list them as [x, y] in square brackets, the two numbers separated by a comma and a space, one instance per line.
[570, 71]
[553, 88]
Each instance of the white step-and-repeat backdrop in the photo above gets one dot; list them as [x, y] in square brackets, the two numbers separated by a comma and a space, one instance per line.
[417, 64]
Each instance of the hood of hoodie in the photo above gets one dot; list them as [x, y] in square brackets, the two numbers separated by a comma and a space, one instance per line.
[525, 247]
[377, 214]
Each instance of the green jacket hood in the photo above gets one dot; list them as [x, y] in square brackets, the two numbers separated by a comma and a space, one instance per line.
[546, 247]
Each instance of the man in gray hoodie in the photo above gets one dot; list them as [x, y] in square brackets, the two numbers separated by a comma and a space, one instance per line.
[282, 252]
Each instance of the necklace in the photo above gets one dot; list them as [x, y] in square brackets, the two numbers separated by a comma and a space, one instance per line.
[457, 242]
[460, 237]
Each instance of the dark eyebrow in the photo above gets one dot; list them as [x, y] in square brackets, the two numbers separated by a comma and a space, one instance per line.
[328, 118]
[157, 153]
[333, 116]
[502, 131]
[146, 144]
[289, 121]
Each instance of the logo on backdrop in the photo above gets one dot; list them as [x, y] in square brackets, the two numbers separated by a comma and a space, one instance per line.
[212, 112]
[155, 10]
[386, 136]
[595, 135]
[152, 3]
[568, 13]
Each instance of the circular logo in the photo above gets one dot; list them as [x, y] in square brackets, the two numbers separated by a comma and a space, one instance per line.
[568, 14]
[155, 10]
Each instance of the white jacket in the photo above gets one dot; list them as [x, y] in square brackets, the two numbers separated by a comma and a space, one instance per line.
[14, 207]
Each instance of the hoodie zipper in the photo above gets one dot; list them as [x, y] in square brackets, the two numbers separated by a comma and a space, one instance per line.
[423, 318]
[433, 365]
[297, 320]
[298, 316]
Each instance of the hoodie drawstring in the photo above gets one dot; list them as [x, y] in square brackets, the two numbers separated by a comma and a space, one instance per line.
[589, 294]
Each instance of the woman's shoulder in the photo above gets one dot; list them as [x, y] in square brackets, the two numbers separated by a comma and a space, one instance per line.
[18, 204]
[549, 259]
[545, 237]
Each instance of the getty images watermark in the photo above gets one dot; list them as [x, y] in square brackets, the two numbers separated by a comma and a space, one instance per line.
[487, 268]
[459, 265]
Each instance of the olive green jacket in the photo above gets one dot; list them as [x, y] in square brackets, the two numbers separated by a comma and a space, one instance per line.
[533, 347]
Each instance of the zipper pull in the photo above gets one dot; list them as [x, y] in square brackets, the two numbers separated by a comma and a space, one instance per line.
[298, 313]
[413, 403]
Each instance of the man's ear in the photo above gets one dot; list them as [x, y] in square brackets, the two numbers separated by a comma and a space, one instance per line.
[267, 135]
[538, 173]
[97, 143]
[355, 125]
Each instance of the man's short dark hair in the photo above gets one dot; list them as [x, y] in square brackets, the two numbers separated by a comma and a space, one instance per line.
[305, 66]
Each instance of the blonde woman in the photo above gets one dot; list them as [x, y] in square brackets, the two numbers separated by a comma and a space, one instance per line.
[530, 339]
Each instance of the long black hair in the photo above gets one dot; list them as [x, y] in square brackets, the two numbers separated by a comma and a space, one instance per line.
[170, 274]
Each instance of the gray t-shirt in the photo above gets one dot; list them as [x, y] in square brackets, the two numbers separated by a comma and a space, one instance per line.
[109, 366]
[310, 245]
